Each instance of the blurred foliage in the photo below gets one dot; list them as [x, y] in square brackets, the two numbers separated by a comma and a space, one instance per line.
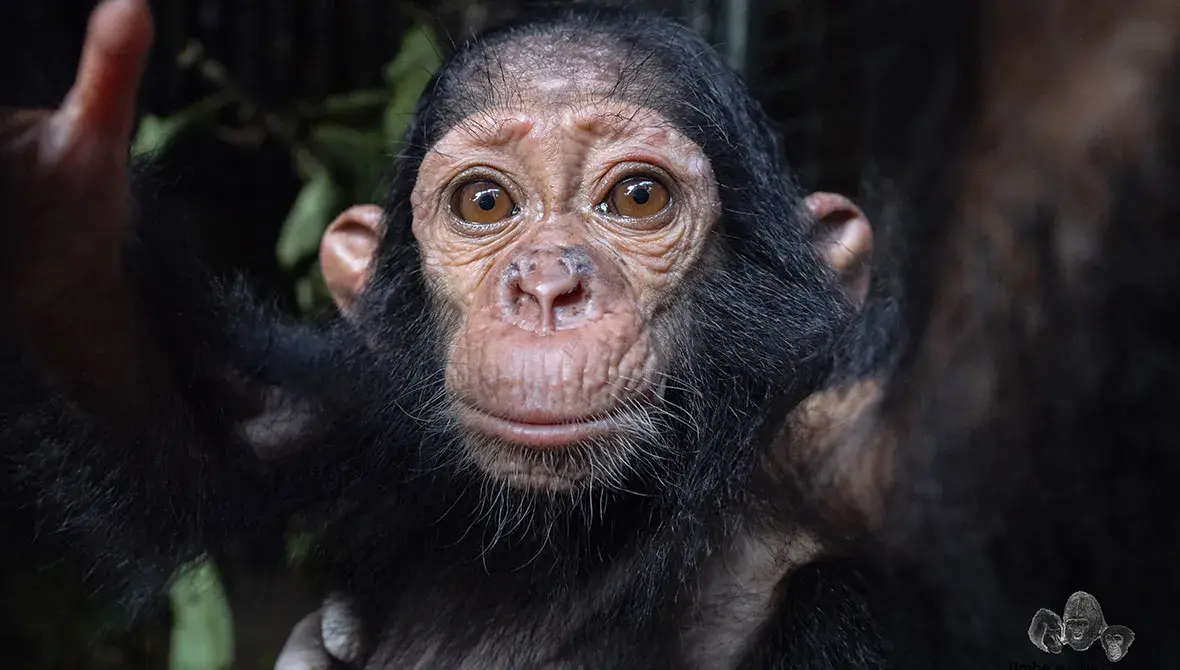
[341, 148]
[347, 152]
[202, 628]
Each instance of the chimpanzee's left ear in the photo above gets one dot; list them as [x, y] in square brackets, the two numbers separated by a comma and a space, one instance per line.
[845, 240]
[347, 251]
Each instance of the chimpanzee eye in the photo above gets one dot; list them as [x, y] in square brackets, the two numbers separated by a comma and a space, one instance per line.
[637, 198]
[482, 202]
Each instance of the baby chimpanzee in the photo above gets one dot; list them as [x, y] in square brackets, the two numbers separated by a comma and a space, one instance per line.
[551, 424]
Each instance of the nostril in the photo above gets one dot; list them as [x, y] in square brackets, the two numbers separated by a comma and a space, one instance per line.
[571, 298]
[551, 303]
[543, 292]
[515, 293]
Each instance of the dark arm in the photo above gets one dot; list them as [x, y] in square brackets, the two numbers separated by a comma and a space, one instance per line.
[137, 394]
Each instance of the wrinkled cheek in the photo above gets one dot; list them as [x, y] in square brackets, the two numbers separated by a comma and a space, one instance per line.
[449, 284]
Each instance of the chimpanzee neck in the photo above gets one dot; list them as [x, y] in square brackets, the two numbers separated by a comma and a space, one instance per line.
[613, 592]
[550, 539]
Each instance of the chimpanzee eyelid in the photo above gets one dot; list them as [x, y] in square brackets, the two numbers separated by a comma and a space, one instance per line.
[488, 174]
[626, 169]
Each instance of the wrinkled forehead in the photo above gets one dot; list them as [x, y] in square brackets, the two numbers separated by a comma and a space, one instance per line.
[594, 65]
[551, 119]
[553, 76]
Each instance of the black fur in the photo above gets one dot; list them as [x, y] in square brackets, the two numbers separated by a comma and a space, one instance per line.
[437, 567]
[751, 334]
[1035, 433]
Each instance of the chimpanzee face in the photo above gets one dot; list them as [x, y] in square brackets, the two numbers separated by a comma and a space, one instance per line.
[559, 227]
[556, 235]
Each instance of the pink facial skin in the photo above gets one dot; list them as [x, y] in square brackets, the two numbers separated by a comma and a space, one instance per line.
[556, 296]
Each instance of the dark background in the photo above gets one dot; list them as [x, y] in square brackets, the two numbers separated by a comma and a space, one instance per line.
[808, 61]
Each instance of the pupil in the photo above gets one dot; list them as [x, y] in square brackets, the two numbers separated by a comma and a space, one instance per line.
[486, 201]
[641, 195]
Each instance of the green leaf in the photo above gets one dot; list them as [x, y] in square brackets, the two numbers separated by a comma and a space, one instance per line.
[398, 113]
[355, 105]
[357, 158]
[418, 54]
[300, 545]
[311, 292]
[408, 75]
[313, 210]
[202, 631]
[156, 134]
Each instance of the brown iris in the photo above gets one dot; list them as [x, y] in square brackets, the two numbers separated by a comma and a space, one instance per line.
[638, 198]
[482, 202]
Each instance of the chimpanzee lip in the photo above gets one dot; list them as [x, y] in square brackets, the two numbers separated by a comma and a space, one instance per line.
[542, 436]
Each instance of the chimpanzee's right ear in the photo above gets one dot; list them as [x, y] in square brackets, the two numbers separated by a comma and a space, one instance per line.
[347, 251]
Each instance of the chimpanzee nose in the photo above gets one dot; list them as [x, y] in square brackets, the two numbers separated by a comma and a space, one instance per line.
[548, 289]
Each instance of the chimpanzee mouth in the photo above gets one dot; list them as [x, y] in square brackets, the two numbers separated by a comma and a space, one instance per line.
[537, 435]
[553, 453]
